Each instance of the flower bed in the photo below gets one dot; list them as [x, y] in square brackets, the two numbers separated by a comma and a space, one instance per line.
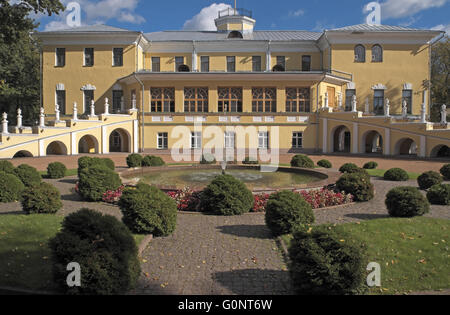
[113, 196]
[186, 199]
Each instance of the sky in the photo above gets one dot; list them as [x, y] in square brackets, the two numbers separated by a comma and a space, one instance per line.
[312, 15]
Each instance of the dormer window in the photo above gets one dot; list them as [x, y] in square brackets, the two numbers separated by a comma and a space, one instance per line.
[235, 34]
[377, 53]
[183, 68]
[360, 53]
[278, 68]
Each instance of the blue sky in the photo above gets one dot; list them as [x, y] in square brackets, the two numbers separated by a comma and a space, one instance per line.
[315, 15]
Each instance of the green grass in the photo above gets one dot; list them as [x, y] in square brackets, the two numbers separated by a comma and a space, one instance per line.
[413, 253]
[71, 172]
[380, 173]
[24, 255]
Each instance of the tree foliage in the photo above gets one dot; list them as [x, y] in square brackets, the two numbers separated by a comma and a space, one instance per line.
[440, 73]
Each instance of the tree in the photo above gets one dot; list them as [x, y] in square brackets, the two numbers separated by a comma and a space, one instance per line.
[440, 72]
[19, 56]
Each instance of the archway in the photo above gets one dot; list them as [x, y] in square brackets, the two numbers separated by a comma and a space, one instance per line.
[372, 143]
[342, 139]
[56, 148]
[88, 144]
[406, 146]
[441, 151]
[22, 154]
[120, 141]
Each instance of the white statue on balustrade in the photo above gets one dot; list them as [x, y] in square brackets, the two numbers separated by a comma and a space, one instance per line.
[405, 109]
[367, 106]
[106, 106]
[75, 111]
[387, 108]
[354, 104]
[423, 114]
[19, 118]
[444, 114]
[92, 115]
[326, 100]
[340, 101]
[57, 113]
[42, 117]
[5, 123]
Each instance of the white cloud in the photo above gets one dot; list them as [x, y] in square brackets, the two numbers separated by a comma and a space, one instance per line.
[442, 27]
[204, 21]
[405, 8]
[297, 13]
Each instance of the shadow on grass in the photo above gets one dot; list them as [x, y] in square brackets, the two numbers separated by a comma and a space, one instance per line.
[248, 231]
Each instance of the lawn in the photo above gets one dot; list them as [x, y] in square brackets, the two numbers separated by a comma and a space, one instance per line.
[413, 253]
[24, 254]
[380, 173]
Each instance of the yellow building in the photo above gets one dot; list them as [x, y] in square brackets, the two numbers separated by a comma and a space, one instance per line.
[361, 89]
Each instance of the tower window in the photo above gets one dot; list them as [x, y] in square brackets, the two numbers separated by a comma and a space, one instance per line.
[235, 34]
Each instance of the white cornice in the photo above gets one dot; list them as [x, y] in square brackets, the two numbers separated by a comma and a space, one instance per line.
[402, 38]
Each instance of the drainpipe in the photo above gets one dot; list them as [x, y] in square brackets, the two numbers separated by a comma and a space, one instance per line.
[142, 111]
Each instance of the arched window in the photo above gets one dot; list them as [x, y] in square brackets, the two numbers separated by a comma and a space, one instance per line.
[360, 53]
[183, 68]
[377, 53]
[235, 34]
[278, 68]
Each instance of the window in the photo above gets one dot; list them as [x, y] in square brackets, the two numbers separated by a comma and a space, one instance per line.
[117, 101]
[360, 53]
[88, 98]
[407, 96]
[231, 64]
[378, 102]
[230, 100]
[230, 140]
[162, 100]
[263, 140]
[196, 100]
[297, 140]
[348, 99]
[88, 57]
[281, 61]
[204, 63]
[156, 64]
[256, 63]
[61, 101]
[196, 140]
[60, 57]
[264, 100]
[298, 100]
[118, 57]
[179, 61]
[377, 53]
[306, 63]
[235, 34]
[163, 141]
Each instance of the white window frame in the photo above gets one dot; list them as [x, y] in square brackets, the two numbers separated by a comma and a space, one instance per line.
[196, 140]
[162, 136]
[263, 140]
[229, 140]
[295, 135]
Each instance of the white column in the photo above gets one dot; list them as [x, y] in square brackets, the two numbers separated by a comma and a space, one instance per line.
[5, 123]
[355, 138]
[75, 111]
[194, 59]
[73, 140]
[136, 136]
[423, 147]
[387, 141]
[104, 140]
[19, 118]
[325, 136]
[41, 148]
[268, 58]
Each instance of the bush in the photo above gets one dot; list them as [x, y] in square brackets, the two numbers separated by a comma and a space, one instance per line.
[152, 161]
[250, 161]
[439, 195]
[359, 171]
[325, 164]
[406, 202]
[286, 210]
[359, 186]
[303, 161]
[147, 210]
[429, 179]
[56, 170]
[96, 180]
[327, 261]
[396, 175]
[11, 187]
[104, 248]
[226, 195]
[134, 160]
[348, 167]
[86, 162]
[445, 171]
[28, 175]
[108, 163]
[208, 159]
[370, 165]
[6, 167]
[42, 198]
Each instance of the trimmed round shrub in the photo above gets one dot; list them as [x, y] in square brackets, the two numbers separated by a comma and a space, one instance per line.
[86, 161]
[406, 202]
[439, 195]
[6, 167]
[96, 180]
[152, 161]
[108, 163]
[250, 161]
[327, 261]
[396, 175]
[359, 186]
[104, 248]
[325, 164]
[429, 179]
[348, 167]
[56, 170]
[134, 160]
[370, 165]
[28, 175]
[286, 210]
[11, 187]
[445, 171]
[226, 195]
[303, 161]
[359, 171]
[208, 159]
[42, 198]
[148, 210]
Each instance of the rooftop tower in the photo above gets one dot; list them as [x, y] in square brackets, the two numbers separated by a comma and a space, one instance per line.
[236, 22]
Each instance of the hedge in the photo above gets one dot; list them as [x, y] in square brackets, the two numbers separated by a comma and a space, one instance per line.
[439, 195]
[42, 198]
[11, 187]
[6, 167]
[406, 202]
[429, 179]
[396, 175]
[303, 161]
[28, 175]
[325, 164]
[152, 161]
[134, 160]
[359, 186]
[96, 180]
[56, 170]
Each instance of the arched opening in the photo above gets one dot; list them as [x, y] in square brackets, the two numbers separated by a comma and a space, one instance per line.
[278, 68]
[120, 141]
[372, 143]
[56, 148]
[88, 145]
[183, 68]
[342, 139]
[22, 154]
[235, 34]
[406, 146]
[441, 151]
